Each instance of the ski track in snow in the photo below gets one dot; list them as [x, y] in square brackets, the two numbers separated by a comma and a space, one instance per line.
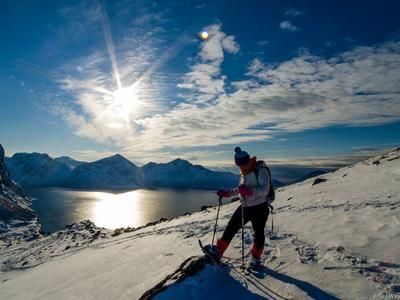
[338, 238]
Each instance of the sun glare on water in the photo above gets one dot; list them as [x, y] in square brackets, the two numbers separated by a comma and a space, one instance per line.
[117, 210]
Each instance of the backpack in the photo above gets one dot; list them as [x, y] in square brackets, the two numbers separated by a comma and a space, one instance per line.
[271, 192]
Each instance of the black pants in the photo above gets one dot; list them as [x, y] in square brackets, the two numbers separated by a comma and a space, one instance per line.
[258, 216]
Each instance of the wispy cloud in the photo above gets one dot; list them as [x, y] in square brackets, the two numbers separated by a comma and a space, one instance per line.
[358, 87]
[262, 43]
[288, 26]
[294, 13]
[204, 81]
[82, 18]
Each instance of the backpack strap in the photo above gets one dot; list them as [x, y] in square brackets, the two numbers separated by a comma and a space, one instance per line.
[256, 171]
[271, 208]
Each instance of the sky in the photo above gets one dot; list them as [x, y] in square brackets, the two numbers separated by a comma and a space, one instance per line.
[292, 82]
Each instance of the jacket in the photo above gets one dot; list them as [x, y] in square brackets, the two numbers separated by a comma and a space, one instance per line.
[260, 189]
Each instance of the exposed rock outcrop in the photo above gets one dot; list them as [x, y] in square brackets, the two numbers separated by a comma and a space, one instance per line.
[188, 268]
[17, 218]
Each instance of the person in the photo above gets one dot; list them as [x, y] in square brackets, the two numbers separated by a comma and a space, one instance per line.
[253, 189]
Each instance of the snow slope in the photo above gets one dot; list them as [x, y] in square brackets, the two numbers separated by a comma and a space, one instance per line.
[338, 238]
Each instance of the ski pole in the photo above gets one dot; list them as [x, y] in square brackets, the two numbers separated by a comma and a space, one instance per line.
[244, 201]
[271, 209]
[216, 220]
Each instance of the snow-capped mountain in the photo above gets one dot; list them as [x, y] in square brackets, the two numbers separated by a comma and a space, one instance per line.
[16, 213]
[70, 162]
[180, 173]
[336, 239]
[33, 169]
[36, 169]
[115, 172]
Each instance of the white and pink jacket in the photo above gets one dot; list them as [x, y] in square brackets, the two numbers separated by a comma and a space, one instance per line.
[260, 188]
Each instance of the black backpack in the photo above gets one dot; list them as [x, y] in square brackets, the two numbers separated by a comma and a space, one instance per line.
[271, 192]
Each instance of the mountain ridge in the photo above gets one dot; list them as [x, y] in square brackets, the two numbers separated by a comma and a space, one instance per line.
[72, 163]
[37, 169]
[114, 172]
[333, 240]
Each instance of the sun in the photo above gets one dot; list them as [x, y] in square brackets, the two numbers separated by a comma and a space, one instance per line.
[124, 101]
[122, 105]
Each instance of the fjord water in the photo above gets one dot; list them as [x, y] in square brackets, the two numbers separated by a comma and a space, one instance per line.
[58, 207]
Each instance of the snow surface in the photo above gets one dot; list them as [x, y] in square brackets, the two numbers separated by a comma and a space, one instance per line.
[336, 239]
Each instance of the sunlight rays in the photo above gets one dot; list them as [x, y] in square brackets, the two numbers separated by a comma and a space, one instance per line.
[123, 99]
[124, 102]
[110, 45]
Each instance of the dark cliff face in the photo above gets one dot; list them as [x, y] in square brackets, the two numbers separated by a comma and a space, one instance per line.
[14, 205]
[5, 178]
[1, 154]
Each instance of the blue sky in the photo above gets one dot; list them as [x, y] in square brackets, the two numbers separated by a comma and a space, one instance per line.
[293, 82]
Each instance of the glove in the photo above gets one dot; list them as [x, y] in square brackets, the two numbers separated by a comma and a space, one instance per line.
[244, 190]
[223, 193]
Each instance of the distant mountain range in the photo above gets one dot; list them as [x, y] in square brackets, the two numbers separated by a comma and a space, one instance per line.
[115, 172]
[180, 173]
[36, 169]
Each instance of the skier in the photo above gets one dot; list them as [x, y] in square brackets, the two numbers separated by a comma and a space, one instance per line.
[254, 188]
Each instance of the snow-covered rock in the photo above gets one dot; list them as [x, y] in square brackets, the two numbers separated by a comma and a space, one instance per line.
[36, 169]
[17, 219]
[180, 173]
[115, 172]
[70, 162]
[336, 239]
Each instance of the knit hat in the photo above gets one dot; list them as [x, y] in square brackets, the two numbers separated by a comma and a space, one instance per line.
[241, 157]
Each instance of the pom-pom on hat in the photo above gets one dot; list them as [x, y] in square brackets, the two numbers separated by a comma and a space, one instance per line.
[241, 157]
